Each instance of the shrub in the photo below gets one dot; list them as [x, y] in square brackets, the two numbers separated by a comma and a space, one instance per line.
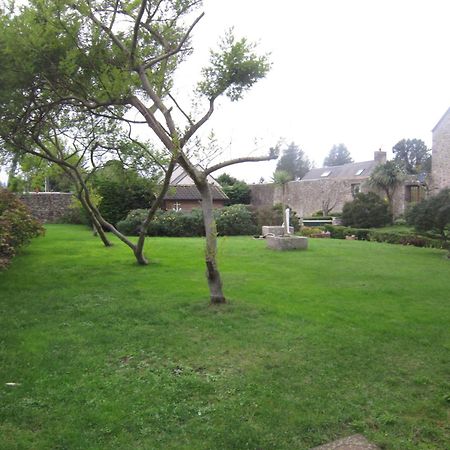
[366, 211]
[432, 215]
[231, 220]
[340, 232]
[165, 223]
[17, 226]
[235, 220]
[392, 237]
[120, 191]
[309, 231]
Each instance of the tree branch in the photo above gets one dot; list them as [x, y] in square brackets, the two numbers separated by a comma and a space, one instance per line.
[192, 130]
[230, 162]
[176, 50]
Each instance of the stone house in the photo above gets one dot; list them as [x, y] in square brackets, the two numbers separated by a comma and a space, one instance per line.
[323, 189]
[328, 188]
[440, 162]
[184, 196]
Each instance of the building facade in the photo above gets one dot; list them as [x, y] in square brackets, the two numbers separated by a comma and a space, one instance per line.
[184, 196]
[440, 162]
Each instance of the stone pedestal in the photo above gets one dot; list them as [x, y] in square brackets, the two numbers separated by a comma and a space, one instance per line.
[287, 242]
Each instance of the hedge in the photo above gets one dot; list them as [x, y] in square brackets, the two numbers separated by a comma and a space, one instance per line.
[231, 220]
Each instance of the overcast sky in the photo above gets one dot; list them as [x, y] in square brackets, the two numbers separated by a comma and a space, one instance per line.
[360, 72]
[365, 73]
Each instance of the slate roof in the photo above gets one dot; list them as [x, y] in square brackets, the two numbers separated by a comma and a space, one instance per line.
[358, 170]
[441, 119]
[182, 187]
[192, 193]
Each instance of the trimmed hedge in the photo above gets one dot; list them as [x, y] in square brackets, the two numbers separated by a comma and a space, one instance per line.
[390, 237]
[17, 226]
[340, 232]
[231, 220]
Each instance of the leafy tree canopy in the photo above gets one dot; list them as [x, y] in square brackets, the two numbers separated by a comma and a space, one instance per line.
[294, 162]
[337, 156]
[412, 155]
[238, 191]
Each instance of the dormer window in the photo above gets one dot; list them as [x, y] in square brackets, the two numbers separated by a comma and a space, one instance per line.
[326, 173]
[359, 172]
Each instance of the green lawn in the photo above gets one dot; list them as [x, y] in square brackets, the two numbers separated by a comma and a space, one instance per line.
[348, 337]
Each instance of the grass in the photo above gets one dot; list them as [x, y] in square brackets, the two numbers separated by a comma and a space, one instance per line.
[348, 337]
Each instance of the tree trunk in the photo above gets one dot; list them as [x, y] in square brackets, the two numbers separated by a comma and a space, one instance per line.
[212, 271]
[97, 227]
[140, 258]
[151, 213]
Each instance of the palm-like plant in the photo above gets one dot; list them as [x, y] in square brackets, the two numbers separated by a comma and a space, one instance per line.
[387, 177]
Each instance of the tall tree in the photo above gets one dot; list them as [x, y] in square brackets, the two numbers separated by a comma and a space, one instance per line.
[412, 155]
[338, 156]
[113, 57]
[294, 162]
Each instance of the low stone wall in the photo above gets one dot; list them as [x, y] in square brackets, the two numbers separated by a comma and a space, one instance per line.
[47, 206]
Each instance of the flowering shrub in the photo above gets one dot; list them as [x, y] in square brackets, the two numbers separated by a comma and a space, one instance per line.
[17, 226]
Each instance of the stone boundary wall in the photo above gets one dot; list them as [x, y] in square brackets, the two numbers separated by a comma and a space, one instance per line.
[47, 206]
[306, 197]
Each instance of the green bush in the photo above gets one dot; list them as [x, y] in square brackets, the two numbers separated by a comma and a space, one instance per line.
[235, 220]
[392, 237]
[17, 226]
[120, 191]
[238, 192]
[309, 231]
[366, 211]
[340, 232]
[165, 223]
[432, 215]
[231, 220]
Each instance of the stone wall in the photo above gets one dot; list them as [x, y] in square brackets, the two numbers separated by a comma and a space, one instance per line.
[440, 170]
[47, 206]
[307, 197]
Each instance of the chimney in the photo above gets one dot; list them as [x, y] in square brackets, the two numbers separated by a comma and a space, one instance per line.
[379, 157]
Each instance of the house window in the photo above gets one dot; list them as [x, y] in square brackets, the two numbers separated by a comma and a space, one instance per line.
[326, 173]
[414, 194]
[356, 189]
[359, 172]
[176, 206]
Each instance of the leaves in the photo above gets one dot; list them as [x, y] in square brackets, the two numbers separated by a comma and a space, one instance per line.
[233, 69]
